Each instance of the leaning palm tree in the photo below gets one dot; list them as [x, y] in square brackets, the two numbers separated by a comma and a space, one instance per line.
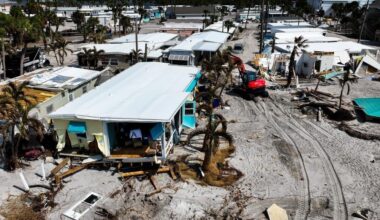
[299, 43]
[15, 105]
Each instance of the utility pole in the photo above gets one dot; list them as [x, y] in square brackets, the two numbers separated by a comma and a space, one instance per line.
[246, 20]
[262, 26]
[137, 41]
[365, 18]
[266, 17]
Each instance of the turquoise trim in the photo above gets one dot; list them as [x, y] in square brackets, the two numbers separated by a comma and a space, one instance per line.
[189, 120]
[76, 127]
[194, 83]
[332, 75]
[157, 131]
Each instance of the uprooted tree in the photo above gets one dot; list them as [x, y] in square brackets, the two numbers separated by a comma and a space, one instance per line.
[216, 75]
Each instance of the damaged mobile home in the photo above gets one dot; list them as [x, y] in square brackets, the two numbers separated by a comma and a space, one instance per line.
[137, 116]
[55, 87]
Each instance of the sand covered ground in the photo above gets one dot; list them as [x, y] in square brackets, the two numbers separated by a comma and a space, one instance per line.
[309, 167]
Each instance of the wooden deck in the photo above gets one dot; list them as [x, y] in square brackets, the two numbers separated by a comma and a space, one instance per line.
[132, 152]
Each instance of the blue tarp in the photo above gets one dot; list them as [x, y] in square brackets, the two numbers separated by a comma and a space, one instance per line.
[76, 127]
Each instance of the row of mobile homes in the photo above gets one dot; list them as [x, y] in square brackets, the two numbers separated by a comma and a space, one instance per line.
[184, 29]
[55, 87]
[197, 47]
[119, 53]
[323, 57]
[136, 116]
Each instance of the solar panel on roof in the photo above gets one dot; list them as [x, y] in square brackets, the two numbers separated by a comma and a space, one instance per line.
[60, 79]
[78, 81]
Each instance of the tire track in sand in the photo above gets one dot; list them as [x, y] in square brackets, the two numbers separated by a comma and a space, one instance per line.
[340, 208]
[303, 206]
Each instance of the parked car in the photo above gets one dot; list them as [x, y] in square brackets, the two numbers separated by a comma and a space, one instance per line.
[238, 48]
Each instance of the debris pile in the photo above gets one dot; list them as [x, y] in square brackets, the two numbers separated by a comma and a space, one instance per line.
[314, 101]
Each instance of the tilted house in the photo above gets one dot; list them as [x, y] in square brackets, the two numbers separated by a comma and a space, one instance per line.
[136, 116]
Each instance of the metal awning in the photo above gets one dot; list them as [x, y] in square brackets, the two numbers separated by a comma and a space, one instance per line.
[179, 57]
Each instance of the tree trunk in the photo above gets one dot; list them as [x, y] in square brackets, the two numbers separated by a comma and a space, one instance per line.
[291, 67]
[22, 59]
[341, 95]
[3, 58]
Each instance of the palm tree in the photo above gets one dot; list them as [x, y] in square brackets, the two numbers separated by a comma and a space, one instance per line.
[116, 8]
[229, 24]
[125, 22]
[216, 76]
[205, 23]
[62, 49]
[95, 57]
[299, 43]
[78, 19]
[142, 12]
[15, 105]
[99, 36]
[346, 80]
[205, 12]
[84, 57]
[213, 18]
[136, 55]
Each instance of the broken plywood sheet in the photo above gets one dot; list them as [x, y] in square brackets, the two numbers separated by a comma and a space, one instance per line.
[275, 212]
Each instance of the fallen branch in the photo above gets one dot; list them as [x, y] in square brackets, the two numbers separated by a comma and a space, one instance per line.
[318, 104]
[358, 134]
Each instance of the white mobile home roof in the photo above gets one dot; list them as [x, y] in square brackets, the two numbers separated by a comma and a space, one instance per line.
[154, 38]
[120, 49]
[298, 30]
[62, 77]
[286, 38]
[289, 25]
[351, 47]
[146, 92]
[210, 36]
[218, 26]
[182, 25]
